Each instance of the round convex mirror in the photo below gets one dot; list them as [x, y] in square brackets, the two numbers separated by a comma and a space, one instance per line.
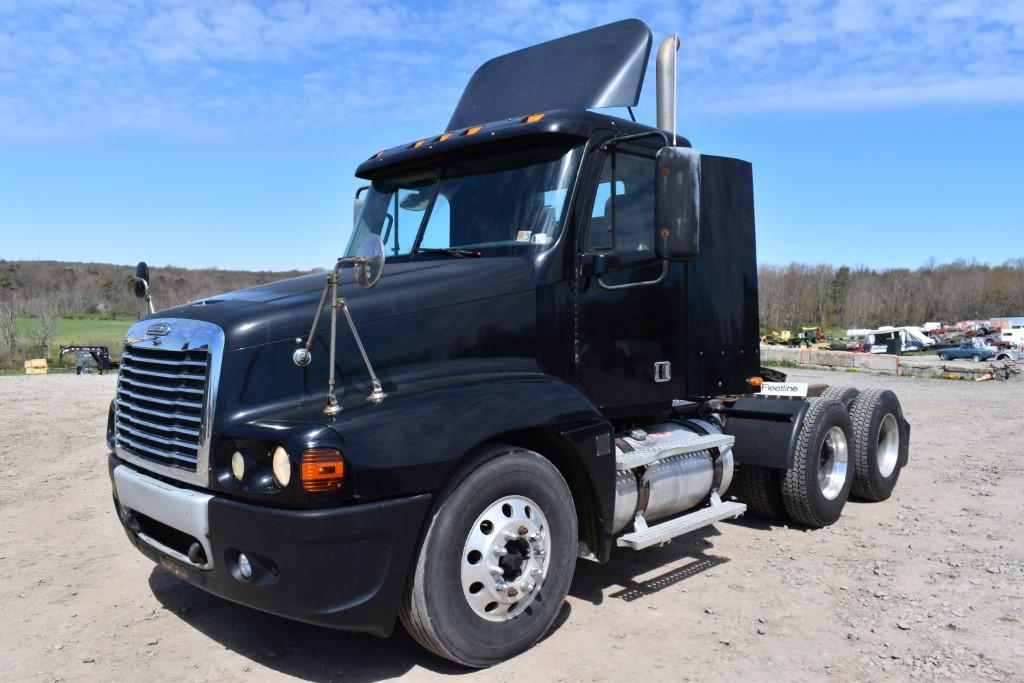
[141, 279]
[369, 271]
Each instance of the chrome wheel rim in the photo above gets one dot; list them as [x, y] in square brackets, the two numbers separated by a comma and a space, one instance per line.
[888, 448]
[833, 463]
[505, 558]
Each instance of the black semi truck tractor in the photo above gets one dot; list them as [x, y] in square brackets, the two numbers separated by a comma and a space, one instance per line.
[541, 344]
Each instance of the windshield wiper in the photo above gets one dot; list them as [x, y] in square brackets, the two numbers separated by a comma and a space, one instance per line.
[450, 251]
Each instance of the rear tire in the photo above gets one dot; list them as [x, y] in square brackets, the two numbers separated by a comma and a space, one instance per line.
[843, 394]
[976, 358]
[816, 487]
[454, 606]
[758, 487]
[879, 445]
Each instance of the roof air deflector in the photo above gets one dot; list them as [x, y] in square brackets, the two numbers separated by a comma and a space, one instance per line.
[600, 67]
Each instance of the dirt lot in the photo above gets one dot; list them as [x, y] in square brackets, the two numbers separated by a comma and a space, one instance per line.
[929, 584]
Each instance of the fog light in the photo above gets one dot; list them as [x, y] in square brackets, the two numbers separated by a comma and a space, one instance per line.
[238, 465]
[244, 566]
[282, 466]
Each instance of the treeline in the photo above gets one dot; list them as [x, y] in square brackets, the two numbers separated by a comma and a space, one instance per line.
[790, 296]
[55, 288]
[799, 294]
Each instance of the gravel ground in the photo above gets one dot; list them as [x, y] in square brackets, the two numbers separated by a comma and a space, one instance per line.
[929, 584]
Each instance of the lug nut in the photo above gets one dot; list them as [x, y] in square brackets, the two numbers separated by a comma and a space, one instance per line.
[534, 537]
[511, 592]
[530, 587]
[509, 536]
[499, 551]
[536, 571]
[522, 530]
[495, 569]
[538, 552]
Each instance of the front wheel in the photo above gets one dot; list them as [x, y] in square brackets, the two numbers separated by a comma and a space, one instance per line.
[496, 561]
[943, 356]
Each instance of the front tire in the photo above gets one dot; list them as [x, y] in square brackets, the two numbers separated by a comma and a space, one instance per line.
[496, 561]
[879, 445]
[816, 487]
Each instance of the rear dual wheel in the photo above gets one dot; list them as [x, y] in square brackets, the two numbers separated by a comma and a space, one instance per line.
[758, 487]
[496, 561]
[879, 443]
[816, 487]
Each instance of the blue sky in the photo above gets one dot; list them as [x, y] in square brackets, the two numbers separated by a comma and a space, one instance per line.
[225, 133]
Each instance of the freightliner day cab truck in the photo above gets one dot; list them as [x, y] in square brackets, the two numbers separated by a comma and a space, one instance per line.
[561, 361]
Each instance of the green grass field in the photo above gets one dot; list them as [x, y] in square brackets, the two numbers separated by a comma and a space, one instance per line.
[83, 331]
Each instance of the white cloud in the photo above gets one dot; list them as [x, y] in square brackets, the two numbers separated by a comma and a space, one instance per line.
[208, 67]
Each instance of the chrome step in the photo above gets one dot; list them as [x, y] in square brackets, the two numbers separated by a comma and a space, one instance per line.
[646, 536]
[646, 452]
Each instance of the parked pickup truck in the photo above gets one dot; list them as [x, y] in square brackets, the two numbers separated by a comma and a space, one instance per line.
[561, 360]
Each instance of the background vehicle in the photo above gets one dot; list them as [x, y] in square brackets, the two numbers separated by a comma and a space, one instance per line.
[562, 359]
[974, 349]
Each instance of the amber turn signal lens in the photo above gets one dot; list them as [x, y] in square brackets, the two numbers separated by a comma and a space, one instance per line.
[533, 118]
[755, 382]
[444, 136]
[474, 130]
[418, 144]
[322, 469]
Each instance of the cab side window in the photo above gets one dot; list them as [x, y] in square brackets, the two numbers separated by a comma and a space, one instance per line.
[623, 215]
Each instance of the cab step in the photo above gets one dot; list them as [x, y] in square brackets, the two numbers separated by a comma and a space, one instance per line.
[646, 536]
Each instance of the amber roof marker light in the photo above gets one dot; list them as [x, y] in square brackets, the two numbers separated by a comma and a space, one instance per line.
[533, 118]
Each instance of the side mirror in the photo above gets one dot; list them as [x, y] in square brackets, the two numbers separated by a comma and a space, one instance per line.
[357, 205]
[677, 203]
[141, 280]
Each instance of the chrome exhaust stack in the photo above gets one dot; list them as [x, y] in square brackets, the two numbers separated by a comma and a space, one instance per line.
[665, 70]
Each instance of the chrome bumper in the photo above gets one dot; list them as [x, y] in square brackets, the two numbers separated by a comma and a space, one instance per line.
[181, 509]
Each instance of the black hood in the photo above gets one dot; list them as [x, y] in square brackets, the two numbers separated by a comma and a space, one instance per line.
[285, 309]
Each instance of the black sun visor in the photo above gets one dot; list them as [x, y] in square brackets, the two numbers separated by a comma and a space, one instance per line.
[600, 67]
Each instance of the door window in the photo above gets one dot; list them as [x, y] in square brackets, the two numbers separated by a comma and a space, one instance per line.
[623, 215]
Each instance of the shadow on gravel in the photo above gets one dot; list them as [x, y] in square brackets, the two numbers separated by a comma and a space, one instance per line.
[308, 652]
[591, 579]
[752, 521]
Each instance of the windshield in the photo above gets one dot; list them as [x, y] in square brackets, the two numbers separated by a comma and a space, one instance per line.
[508, 203]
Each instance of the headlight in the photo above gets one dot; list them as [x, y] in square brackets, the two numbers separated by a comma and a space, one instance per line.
[282, 466]
[238, 465]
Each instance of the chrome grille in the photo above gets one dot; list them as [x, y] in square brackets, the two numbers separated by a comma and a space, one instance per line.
[164, 393]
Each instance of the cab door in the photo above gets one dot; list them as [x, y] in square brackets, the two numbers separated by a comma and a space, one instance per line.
[629, 317]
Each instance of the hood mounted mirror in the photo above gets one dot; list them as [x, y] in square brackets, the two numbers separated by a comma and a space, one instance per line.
[140, 283]
[369, 261]
[368, 264]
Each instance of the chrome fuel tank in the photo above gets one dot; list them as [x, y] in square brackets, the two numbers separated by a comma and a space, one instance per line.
[674, 484]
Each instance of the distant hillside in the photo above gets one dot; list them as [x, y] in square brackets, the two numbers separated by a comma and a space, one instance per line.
[73, 289]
